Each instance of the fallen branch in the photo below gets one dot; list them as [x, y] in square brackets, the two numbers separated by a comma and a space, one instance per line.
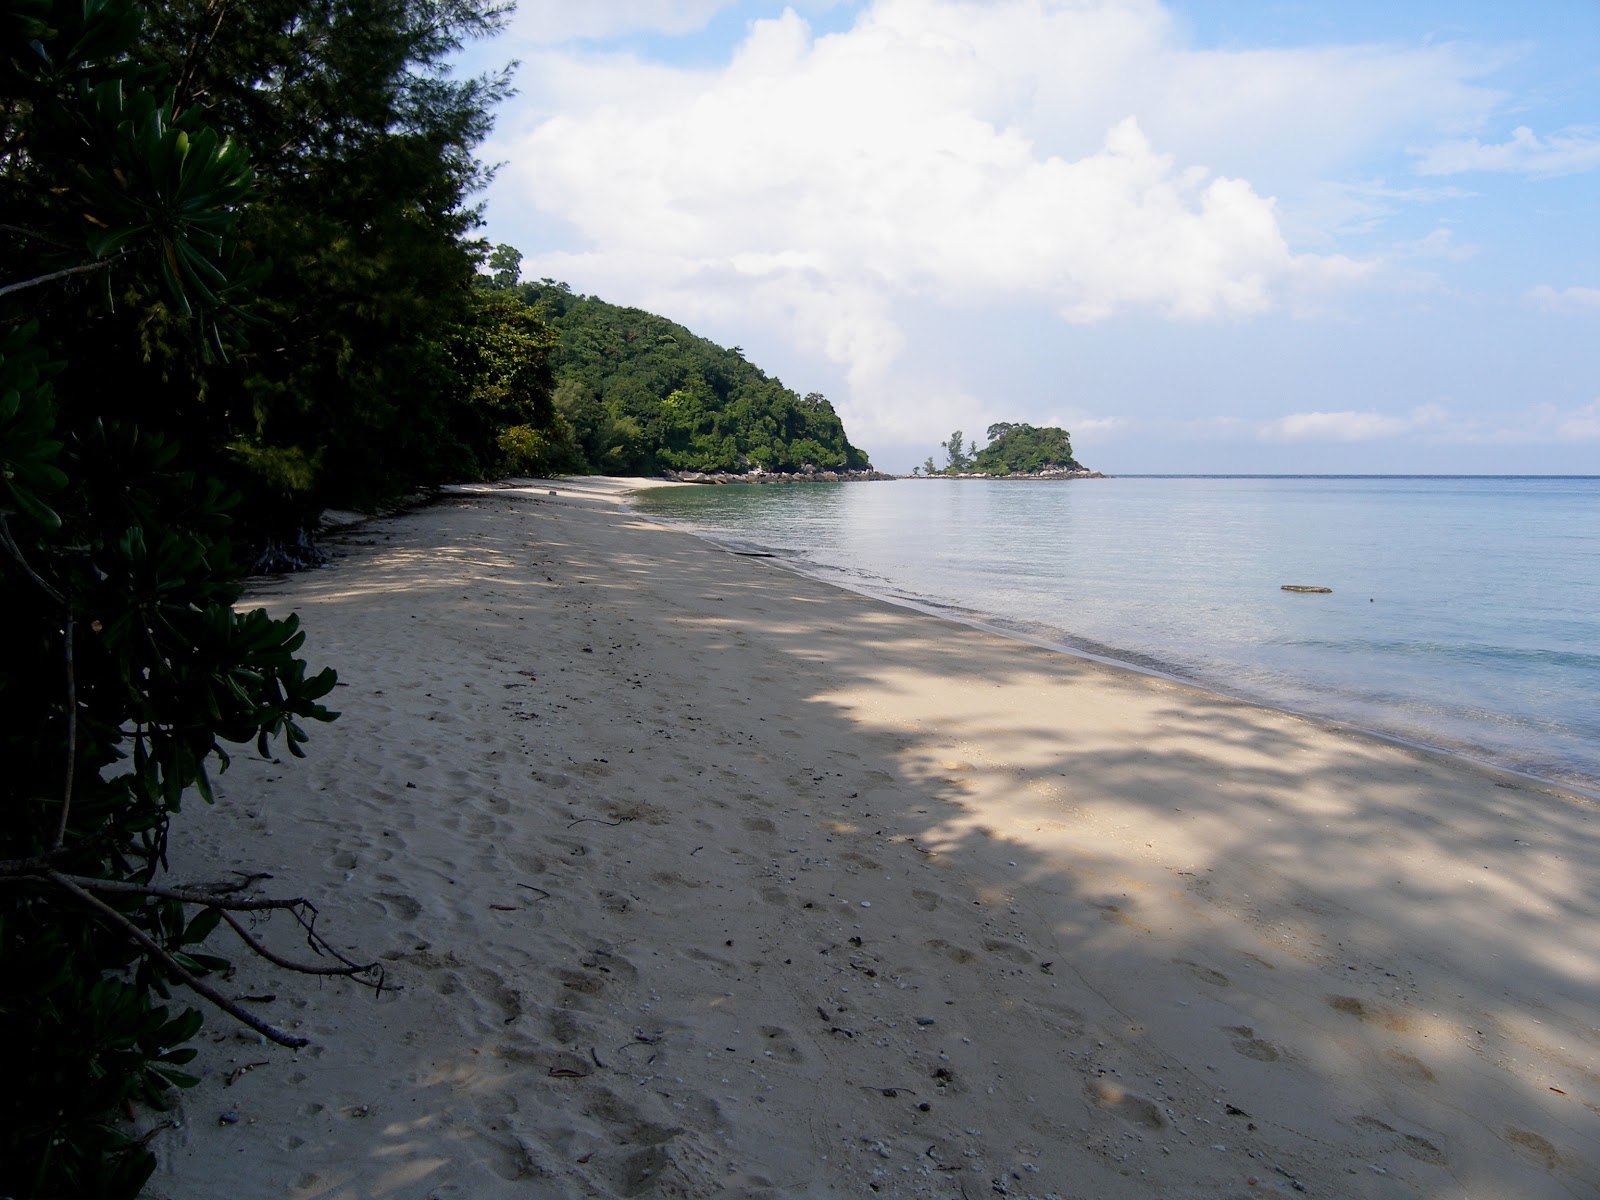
[172, 967]
[368, 974]
[347, 968]
[184, 895]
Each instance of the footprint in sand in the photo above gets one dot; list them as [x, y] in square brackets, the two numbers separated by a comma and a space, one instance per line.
[1115, 914]
[1410, 1067]
[403, 907]
[1130, 1106]
[780, 1045]
[1409, 1144]
[1532, 1144]
[673, 879]
[759, 825]
[1204, 974]
[1008, 950]
[1256, 960]
[1246, 1042]
[954, 953]
[1361, 1011]
[699, 955]
[581, 982]
[927, 901]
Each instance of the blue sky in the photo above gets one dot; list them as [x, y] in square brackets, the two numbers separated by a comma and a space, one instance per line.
[1201, 235]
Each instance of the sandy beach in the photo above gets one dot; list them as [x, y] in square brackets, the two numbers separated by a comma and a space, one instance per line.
[695, 877]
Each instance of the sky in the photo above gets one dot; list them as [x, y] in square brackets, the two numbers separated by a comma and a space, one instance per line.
[1258, 236]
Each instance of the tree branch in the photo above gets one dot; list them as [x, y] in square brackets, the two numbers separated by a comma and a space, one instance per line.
[171, 966]
[34, 233]
[348, 969]
[72, 740]
[296, 907]
[10, 544]
[185, 895]
[83, 268]
[194, 58]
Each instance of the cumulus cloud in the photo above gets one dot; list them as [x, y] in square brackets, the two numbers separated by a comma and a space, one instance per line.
[1349, 426]
[1567, 300]
[813, 175]
[1071, 156]
[553, 21]
[1563, 153]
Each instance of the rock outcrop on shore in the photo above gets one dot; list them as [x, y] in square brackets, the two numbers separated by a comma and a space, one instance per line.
[813, 475]
[809, 475]
[1047, 473]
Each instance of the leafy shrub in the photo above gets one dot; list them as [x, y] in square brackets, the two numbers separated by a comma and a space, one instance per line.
[127, 667]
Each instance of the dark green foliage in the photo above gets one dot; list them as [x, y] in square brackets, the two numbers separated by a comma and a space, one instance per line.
[126, 671]
[504, 417]
[127, 668]
[505, 268]
[639, 394]
[955, 458]
[1020, 449]
[363, 151]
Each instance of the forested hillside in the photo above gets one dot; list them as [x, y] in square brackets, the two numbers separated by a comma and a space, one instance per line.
[636, 393]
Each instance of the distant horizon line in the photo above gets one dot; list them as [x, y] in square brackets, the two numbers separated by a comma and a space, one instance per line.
[1333, 475]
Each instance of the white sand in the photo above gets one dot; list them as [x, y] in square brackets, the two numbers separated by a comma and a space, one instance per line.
[700, 878]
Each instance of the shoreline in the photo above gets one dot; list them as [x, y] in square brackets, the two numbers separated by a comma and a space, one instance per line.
[623, 813]
[1586, 785]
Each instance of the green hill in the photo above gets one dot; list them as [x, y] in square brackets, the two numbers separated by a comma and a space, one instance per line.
[1022, 449]
[638, 394]
[1014, 449]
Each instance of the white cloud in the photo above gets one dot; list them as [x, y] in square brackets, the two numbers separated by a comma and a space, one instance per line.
[1329, 209]
[1538, 424]
[1349, 426]
[1581, 424]
[1568, 300]
[1441, 243]
[1563, 153]
[1097, 428]
[553, 21]
[816, 179]
[1070, 156]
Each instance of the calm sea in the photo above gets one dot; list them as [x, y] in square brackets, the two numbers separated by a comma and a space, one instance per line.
[1465, 612]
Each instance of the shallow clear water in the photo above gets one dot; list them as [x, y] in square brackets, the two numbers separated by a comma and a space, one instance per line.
[1465, 612]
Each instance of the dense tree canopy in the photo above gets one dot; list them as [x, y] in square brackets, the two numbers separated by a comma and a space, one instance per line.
[352, 388]
[1021, 449]
[234, 245]
[1013, 449]
[636, 394]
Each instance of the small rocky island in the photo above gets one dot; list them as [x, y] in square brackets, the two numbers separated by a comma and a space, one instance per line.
[1015, 451]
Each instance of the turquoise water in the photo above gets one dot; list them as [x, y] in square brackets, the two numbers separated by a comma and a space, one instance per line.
[1465, 612]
